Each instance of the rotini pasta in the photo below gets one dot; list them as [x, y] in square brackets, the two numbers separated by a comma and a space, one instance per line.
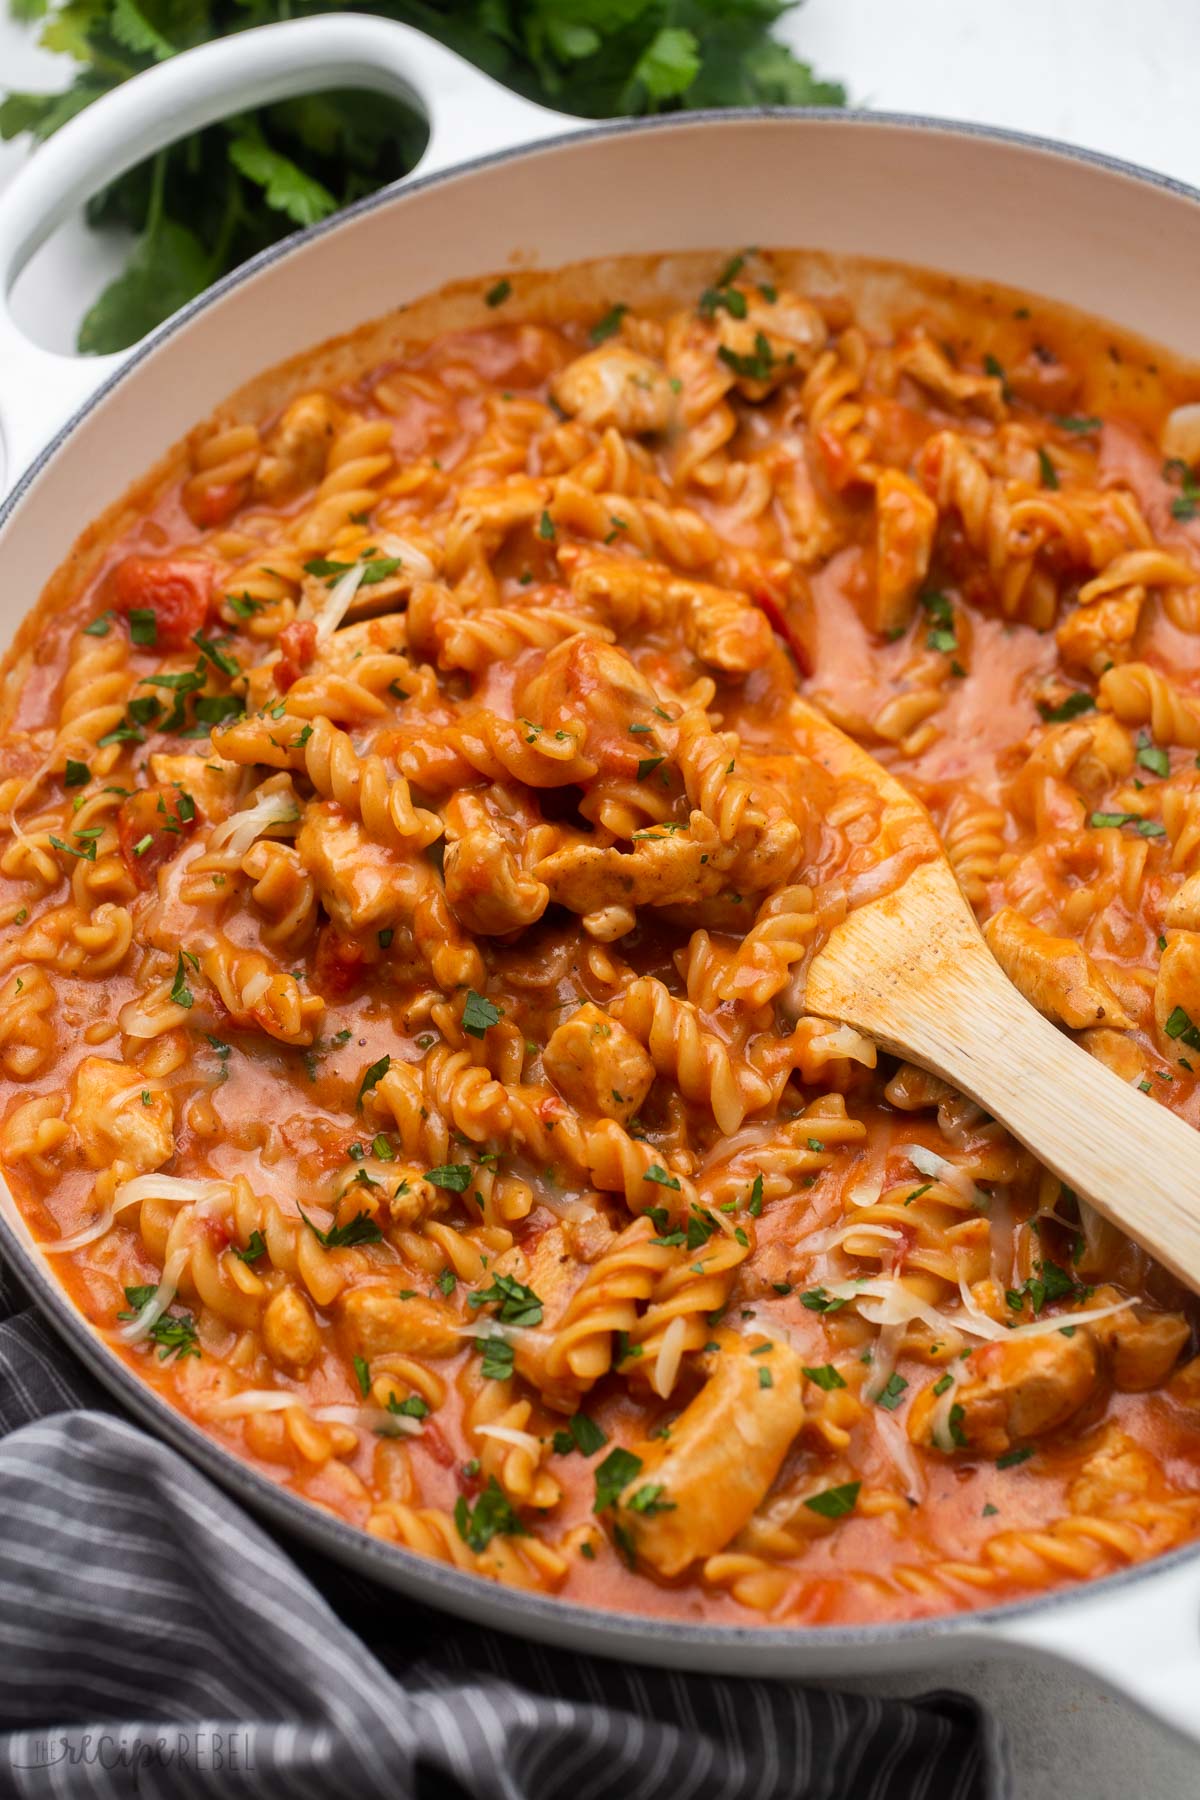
[411, 855]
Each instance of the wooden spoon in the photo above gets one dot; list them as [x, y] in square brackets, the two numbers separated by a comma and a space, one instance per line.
[911, 969]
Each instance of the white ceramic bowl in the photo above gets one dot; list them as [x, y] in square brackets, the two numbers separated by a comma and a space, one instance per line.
[505, 183]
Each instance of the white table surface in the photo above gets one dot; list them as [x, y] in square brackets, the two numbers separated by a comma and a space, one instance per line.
[1101, 73]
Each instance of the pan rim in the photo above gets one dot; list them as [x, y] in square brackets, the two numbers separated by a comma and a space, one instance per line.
[598, 1630]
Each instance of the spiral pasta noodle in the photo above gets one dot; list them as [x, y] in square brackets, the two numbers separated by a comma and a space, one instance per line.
[412, 852]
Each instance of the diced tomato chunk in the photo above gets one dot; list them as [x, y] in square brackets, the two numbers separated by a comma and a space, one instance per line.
[338, 964]
[217, 1230]
[297, 647]
[151, 827]
[904, 1247]
[177, 590]
[839, 466]
[793, 623]
[207, 505]
[434, 1441]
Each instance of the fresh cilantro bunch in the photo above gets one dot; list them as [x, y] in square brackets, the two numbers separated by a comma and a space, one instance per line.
[213, 199]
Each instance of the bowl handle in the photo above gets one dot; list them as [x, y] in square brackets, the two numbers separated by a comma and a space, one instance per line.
[1140, 1637]
[469, 115]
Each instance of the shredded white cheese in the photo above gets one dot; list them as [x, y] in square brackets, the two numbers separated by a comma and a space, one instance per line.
[508, 1434]
[269, 1400]
[253, 1400]
[170, 1187]
[894, 1439]
[160, 1299]
[132, 1193]
[256, 987]
[885, 1300]
[836, 1235]
[927, 1162]
[240, 829]
[334, 609]
[486, 1328]
[670, 1355]
[864, 1193]
[843, 1040]
[413, 561]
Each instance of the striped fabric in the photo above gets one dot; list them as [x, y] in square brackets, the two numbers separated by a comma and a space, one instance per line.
[155, 1641]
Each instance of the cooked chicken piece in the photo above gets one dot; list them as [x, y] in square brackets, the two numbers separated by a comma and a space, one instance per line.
[289, 1330]
[1177, 984]
[296, 450]
[1095, 637]
[1184, 1386]
[1183, 908]
[362, 884]
[1117, 1472]
[958, 391]
[724, 1451]
[1142, 1346]
[379, 1322]
[119, 1119]
[1011, 1391]
[1054, 974]
[905, 525]
[487, 889]
[660, 870]
[723, 627]
[212, 782]
[597, 1065]
[764, 341]
[554, 1273]
[1118, 1052]
[616, 386]
[913, 1089]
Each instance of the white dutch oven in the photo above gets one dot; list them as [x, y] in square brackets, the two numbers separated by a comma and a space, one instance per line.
[503, 180]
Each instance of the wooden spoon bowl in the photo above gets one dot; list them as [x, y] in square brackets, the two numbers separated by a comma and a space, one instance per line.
[912, 970]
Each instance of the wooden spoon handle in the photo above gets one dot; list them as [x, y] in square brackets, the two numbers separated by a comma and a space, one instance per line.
[947, 1006]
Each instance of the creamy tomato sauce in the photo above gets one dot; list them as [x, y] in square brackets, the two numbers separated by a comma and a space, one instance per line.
[413, 855]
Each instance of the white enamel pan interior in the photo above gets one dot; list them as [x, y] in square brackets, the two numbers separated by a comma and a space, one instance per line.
[505, 183]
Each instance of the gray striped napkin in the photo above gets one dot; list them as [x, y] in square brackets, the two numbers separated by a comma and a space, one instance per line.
[155, 1641]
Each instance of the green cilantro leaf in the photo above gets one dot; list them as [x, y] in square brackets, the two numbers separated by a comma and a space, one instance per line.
[649, 1500]
[1070, 708]
[825, 1377]
[373, 1075]
[456, 1177]
[1179, 1025]
[498, 1355]
[361, 1229]
[515, 1303]
[181, 993]
[479, 1014]
[613, 1475]
[609, 325]
[1151, 756]
[491, 1516]
[288, 190]
[582, 1434]
[835, 1502]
